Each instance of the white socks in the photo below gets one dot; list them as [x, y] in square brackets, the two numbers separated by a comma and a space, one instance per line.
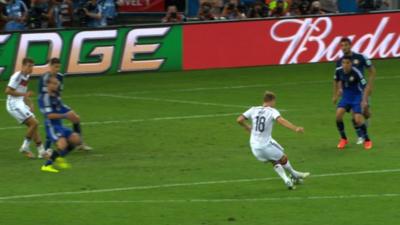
[40, 148]
[281, 172]
[290, 169]
[26, 143]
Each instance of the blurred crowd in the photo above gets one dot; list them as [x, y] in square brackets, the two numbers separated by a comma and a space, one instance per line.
[36, 14]
[238, 9]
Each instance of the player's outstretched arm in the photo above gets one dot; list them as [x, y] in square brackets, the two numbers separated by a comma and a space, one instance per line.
[241, 120]
[282, 121]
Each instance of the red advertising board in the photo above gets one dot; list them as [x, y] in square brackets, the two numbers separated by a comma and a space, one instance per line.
[141, 6]
[289, 40]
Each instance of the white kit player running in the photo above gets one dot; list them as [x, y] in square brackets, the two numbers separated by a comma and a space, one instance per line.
[263, 146]
[20, 106]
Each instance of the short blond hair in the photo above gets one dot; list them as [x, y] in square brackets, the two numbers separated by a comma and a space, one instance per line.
[269, 96]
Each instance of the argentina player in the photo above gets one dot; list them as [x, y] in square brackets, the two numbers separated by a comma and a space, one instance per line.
[349, 83]
[55, 66]
[64, 138]
[362, 63]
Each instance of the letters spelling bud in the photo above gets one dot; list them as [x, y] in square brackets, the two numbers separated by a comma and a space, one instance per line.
[315, 31]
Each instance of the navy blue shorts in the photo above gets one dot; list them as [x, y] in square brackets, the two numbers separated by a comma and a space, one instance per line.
[353, 104]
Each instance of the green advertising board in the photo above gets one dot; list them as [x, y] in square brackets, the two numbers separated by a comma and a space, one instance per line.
[105, 51]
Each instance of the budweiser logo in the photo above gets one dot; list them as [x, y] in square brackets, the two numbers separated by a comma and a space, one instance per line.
[311, 36]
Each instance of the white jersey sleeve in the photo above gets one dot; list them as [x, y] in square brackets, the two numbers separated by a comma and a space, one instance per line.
[248, 113]
[14, 81]
[275, 113]
[19, 82]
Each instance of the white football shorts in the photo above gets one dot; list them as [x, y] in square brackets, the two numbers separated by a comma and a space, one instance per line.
[269, 152]
[19, 110]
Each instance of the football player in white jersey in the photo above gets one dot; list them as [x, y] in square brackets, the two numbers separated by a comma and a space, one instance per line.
[20, 106]
[263, 146]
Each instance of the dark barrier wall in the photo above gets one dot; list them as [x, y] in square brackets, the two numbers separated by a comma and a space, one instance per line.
[202, 45]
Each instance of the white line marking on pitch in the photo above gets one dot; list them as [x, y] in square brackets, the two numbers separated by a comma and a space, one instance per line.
[160, 201]
[202, 88]
[236, 86]
[222, 87]
[244, 86]
[145, 120]
[186, 184]
[171, 100]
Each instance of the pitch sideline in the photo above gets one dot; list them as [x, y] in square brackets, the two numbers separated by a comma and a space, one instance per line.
[271, 199]
[3, 198]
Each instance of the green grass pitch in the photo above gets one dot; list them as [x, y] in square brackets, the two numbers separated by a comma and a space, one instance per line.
[169, 152]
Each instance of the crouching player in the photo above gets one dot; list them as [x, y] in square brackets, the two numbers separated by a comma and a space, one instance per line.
[350, 83]
[65, 139]
[263, 146]
[55, 66]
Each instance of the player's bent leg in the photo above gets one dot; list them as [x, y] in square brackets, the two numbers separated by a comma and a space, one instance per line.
[75, 139]
[340, 126]
[356, 122]
[274, 152]
[55, 155]
[281, 172]
[360, 139]
[32, 125]
[73, 117]
[363, 129]
[48, 144]
[340, 113]
[76, 121]
[48, 166]
[271, 153]
[21, 112]
[359, 119]
[62, 146]
[283, 160]
[42, 153]
[61, 143]
[297, 177]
